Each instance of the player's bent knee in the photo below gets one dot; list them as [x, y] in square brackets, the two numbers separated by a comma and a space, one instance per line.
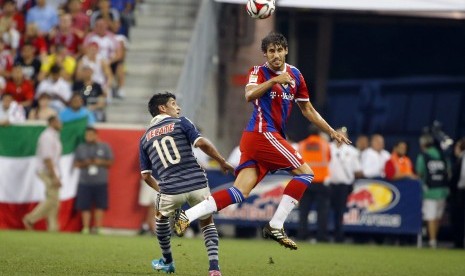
[303, 169]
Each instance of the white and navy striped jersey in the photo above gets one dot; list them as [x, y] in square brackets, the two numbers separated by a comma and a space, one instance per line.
[166, 151]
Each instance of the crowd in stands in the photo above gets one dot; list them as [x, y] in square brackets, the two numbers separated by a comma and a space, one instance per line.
[52, 50]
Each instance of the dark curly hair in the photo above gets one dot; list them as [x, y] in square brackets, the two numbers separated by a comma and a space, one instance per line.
[273, 38]
[157, 100]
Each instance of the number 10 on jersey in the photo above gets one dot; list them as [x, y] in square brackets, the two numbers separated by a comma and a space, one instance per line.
[164, 153]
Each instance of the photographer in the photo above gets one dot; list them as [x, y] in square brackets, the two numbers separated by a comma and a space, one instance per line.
[432, 168]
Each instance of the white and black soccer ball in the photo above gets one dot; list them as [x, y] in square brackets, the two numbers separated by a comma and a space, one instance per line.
[260, 9]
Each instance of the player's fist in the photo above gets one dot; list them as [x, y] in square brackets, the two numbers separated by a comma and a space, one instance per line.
[226, 167]
[284, 78]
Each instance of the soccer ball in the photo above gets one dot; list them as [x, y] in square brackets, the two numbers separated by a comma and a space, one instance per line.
[260, 9]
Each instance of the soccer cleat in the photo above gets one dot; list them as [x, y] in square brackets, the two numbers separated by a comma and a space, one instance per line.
[214, 273]
[181, 222]
[159, 265]
[278, 235]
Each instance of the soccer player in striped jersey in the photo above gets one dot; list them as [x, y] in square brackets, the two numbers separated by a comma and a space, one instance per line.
[166, 149]
[272, 88]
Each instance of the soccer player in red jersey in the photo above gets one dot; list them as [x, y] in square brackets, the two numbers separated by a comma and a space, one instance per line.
[272, 88]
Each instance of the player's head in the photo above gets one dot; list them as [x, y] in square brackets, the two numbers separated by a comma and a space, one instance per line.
[362, 142]
[76, 101]
[7, 99]
[90, 135]
[274, 48]
[400, 148]
[54, 122]
[377, 142]
[426, 141]
[164, 103]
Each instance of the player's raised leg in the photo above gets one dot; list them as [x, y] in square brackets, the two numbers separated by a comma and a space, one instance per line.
[245, 181]
[292, 194]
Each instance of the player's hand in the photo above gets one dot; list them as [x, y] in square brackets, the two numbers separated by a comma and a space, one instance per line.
[226, 167]
[284, 78]
[340, 138]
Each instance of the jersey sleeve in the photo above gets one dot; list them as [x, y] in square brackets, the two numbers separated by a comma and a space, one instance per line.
[144, 160]
[302, 94]
[192, 133]
[255, 76]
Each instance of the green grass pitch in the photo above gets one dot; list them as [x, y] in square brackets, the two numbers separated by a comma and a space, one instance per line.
[39, 253]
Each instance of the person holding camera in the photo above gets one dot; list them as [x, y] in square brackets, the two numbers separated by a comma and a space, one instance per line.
[433, 169]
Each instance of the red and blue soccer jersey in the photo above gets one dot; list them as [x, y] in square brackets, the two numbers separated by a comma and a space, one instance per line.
[273, 108]
[263, 145]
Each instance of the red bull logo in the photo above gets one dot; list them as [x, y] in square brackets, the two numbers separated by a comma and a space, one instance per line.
[373, 196]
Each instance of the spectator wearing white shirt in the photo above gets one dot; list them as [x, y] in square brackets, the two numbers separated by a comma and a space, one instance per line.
[11, 38]
[375, 157]
[58, 89]
[110, 49]
[108, 46]
[49, 150]
[344, 167]
[10, 111]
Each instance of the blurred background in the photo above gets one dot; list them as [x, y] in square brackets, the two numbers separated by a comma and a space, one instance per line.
[394, 68]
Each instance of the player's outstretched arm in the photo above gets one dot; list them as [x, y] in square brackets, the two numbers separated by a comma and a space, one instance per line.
[313, 116]
[209, 149]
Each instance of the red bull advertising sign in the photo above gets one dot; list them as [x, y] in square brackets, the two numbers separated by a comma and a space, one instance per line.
[369, 202]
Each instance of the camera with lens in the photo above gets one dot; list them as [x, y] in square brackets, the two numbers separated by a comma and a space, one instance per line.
[441, 139]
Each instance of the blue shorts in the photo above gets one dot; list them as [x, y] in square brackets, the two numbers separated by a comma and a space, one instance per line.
[92, 195]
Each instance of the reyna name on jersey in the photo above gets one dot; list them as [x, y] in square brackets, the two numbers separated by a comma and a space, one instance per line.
[159, 131]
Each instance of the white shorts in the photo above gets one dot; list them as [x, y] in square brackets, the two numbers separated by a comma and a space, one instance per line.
[147, 194]
[167, 204]
[433, 209]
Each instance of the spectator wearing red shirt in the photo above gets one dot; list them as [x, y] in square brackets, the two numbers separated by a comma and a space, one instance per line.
[6, 61]
[80, 20]
[66, 36]
[399, 166]
[33, 37]
[11, 14]
[88, 6]
[21, 89]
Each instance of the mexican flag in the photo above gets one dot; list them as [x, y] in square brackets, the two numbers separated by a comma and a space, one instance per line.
[20, 187]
